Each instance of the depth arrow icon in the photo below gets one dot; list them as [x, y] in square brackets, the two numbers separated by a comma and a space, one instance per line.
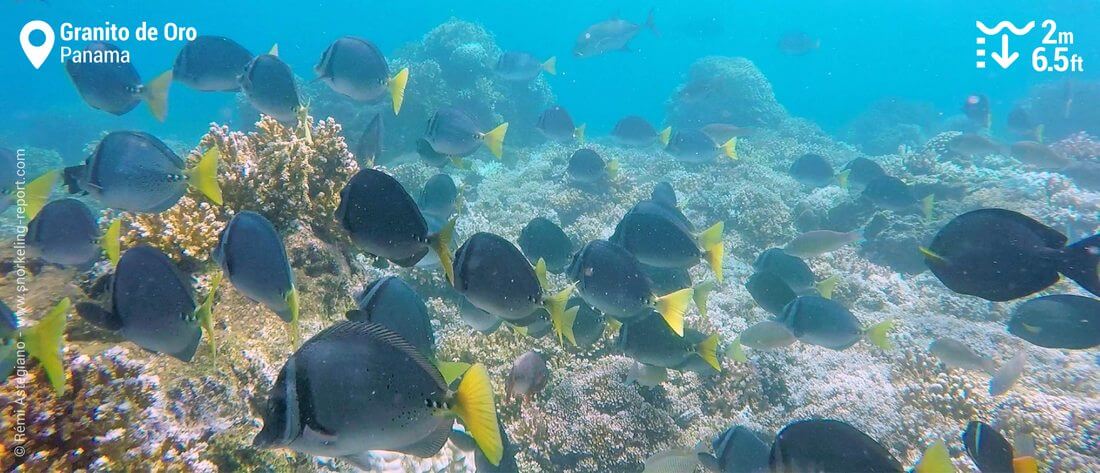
[1004, 59]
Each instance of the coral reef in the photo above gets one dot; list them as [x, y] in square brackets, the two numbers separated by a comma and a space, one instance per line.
[724, 90]
[890, 123]
[1065, 107]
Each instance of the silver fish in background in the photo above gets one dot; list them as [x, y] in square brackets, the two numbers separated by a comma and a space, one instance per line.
[152, 305]
[357, 69]
[136, 172]
[250, 252]
[646, 375]
[523, 67]
[1038, 155]
[211, 63]
[556, 124]
[973, 144]
[528, 376]
[66, 233]
[116, 87]
[818, 242]
[610, 35]
[1006, 376]
[766, 335]
[451, 132]
[636, 131]
[956, 354]
[675, 460]
[326, 400]
[270, 87]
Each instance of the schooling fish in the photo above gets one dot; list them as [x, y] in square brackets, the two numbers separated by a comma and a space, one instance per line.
[611, 280]
[507, 463]
[527, 377]
[136, 172]
[438, 197]
[587, 170]
[828, 445]
[824, 322]
[66, 233]
[356, 68]
[646, 375]
[556, 124]
[391, 303]
[478, 319]
[495, 276]
[250, 252]
[269, 85]
[1058, 321]
[453, 133]
[766, 335]
[211, 64]
[812, 170]
[588, 323]
[659, 236]
[1007, 375]
[956, 354]
[359, 386]
[636, 131]
[1038, 155]
[369, 148]
[1001, 255]
[523, 67]
[973, 144]
[115, 87]
[665, 280]
[610, 35]
[545, 240]
[818, 242]
[860, 172]
[382, 218]
[890, 193]
[740, 450]
[664, 194]
[791, 269]
[987, 448]
[651, 341]
[770, 292]
[695, 147]
[723, 132]
[152, 305]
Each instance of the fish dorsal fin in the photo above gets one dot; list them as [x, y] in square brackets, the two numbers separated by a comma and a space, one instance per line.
[274, 51]
[379, 333]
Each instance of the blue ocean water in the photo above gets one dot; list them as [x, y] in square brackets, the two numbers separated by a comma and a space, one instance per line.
[869, 50]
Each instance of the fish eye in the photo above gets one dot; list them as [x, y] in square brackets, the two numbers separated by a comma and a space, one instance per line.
[588, 36]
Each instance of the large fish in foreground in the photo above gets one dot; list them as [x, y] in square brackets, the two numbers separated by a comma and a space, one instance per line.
[1001, 255]
[136, 172]
[359, 386]
[610, 35]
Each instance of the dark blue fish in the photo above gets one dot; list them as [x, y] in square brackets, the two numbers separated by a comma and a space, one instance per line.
[452, 132]
[390, 302]
[251, 254]
[890, 192]
[636, 131]
[791, 269]
[812, 170]
[588, 323]
[739, 450]
[151, 305]
[556, 124]
[824, 322]
[1058, 321]
[369, 149]
[696, 147]
[269, 85]
[987, 448]
[588, 171]
[66, 233]
[522, 67]
[660, 236]
[438, 197]
[650, 341]
[115, 86]
[357, 69]
[136, 172]
[770, 292]
[211, 63]
[859, 172]
[829, 445]
[544, 239]
[610, 35]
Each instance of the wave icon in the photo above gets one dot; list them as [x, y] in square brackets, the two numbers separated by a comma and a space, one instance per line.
[1005, 24]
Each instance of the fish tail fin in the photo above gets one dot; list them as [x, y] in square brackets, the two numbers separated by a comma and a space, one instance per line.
[564, 329]
[665, 135]
[927, 205]
[935, 459]
[701, 295]
[205, 312]
[44, 340]
[397, 89]
[555, 305]
[112, 241]
[672, 307]
[1025, 464]
[931, 255]
[879, 334]
[711, 242]
[613, 168]
[155, 94]
[38, 192]
[708, 350]
[540, 273]
[441, 245]
[204, 176]
[650, 24]
[451, 370]
[274, 51]
[729, 148]
[578, 133]
[1081, 263]
[736, 352]
[842, 178]
[826, 286]
[1023, 460]
[551, 65]
[475, 406]
[494, 139]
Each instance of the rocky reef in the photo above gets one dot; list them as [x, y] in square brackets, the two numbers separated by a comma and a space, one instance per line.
[890, 123]
[724, 90]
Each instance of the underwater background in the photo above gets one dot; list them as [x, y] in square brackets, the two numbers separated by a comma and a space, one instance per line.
[886, 81]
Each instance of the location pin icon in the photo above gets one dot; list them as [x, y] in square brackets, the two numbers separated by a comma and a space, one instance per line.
[36, 54]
